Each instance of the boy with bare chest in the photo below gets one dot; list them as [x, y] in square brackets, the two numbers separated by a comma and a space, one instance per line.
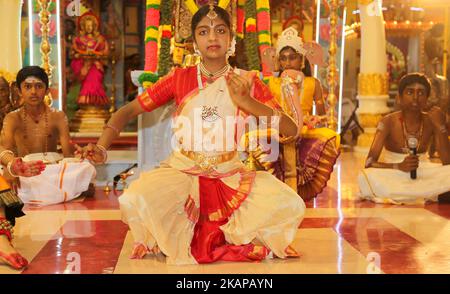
[390, 164]
[34, 132]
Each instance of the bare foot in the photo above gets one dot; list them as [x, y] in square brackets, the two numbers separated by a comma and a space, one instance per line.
[140, 251]
[291, 252]
[9, 255]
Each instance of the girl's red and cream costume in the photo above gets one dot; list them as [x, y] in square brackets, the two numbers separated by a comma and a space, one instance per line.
[205, 206]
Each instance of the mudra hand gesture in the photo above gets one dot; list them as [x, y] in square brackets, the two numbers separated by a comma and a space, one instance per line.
[239, 88]
[94, 153]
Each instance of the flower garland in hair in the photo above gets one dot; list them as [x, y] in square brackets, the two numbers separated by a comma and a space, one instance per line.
[165, 60]
[251, 37]
[240, 19]
[263, 26]
[151, 34]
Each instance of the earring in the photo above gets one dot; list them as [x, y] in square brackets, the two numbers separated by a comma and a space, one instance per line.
[232, 49]
[196, 51]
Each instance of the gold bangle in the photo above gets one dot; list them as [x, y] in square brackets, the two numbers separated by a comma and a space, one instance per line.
[9, 169]
[4, 152]
[104, 152]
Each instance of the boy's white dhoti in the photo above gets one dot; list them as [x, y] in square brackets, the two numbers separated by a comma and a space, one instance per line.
[60, 182]
[384, 185]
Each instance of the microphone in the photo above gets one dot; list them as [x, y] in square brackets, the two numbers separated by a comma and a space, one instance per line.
[412, 145]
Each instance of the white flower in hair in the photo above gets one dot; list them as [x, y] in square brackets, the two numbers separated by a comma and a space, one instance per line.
[232, 48]
[289, 37]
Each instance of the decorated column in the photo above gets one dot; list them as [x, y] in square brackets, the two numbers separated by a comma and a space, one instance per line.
[373, 76]
[10, 54]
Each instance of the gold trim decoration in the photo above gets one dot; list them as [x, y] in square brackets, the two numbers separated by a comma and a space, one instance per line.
[112, 109]
[365, 2]
[207, 163]
[192, 211]
[373, 84]
[44, 18]
[259, 252]
[370, 120]
[332, 69]
[245, 186]
[146, 101]
[9, 76]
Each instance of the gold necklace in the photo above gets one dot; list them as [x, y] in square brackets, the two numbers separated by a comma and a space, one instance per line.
[213, 75]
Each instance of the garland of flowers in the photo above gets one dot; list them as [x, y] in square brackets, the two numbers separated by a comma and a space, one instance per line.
[240, 19]
[165, 60]
[151, 35]
[147, 79]
[251, 37]
[193, 8]
[191, 5]
[263, 27]
[223, 3]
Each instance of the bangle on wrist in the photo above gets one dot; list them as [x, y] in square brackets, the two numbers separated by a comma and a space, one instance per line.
[115, 129]
[104, 152]
[4, 152]
[9, 169]
[395, 166]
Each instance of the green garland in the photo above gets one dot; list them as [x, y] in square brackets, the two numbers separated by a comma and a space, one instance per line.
[251, 38]
[148, 77]
[165, 60]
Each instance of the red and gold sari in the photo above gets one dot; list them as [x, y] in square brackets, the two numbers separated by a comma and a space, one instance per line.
[202, 205]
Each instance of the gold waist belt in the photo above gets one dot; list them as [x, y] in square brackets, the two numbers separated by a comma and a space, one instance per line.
[207, 162]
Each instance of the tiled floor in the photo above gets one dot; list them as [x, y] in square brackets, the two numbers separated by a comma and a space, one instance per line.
[340, 234]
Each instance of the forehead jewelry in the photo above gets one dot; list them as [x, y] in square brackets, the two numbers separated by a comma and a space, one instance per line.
[212, 15]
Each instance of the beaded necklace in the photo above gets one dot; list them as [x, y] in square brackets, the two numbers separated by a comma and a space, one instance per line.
[211, 76]
[25, 128]
[406, 135]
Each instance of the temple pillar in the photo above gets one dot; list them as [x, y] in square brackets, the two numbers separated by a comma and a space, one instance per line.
[10, 54]
[373, 80]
